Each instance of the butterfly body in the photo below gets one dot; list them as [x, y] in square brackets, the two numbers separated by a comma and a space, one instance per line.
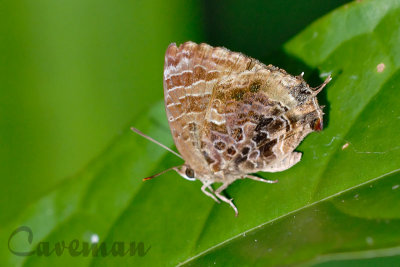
[231, 115]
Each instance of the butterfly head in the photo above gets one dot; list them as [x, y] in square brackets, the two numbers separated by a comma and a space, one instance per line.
[186, 172]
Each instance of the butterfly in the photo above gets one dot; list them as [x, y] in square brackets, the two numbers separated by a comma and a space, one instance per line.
[232, 116]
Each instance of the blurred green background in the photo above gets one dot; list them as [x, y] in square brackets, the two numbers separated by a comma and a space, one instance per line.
[73, 74]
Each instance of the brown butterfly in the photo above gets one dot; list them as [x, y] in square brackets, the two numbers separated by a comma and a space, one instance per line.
[231, 115]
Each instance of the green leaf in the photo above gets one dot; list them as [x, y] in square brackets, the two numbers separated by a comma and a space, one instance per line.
[340, 201]
[73, 74]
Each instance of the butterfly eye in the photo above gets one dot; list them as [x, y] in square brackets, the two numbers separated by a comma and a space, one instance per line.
[189, 173]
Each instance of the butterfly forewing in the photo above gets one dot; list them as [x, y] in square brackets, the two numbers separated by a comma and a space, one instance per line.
[190, 75]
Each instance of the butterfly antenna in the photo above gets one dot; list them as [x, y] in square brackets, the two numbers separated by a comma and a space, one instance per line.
[155, 142]
[319, 88]
[164, 171]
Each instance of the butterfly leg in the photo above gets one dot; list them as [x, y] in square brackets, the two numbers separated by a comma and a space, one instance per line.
[204, 189]
[225, 199]
[260, 179]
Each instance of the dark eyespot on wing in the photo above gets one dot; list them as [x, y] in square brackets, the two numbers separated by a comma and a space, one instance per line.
[259, 137]
[263, 123]
[245, 150]
[231, 151]
[266, 149]
[239, 159]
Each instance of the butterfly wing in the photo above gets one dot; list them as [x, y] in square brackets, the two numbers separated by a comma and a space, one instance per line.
[191, 72]
[230, 115]
[256, 120]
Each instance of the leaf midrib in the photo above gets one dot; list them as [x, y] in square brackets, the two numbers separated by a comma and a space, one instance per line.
[290, 213]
